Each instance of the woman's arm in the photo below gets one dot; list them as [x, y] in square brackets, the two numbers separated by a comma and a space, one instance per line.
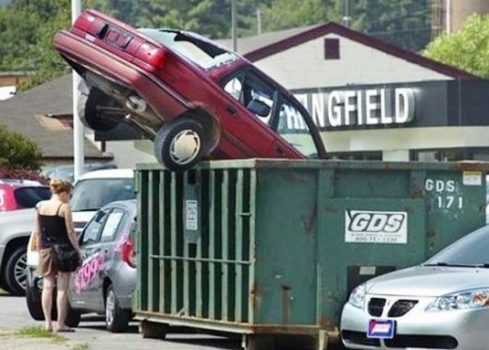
[70, 227]
[37, 231]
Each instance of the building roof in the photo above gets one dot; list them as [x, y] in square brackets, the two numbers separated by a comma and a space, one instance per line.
[31, 114]
[258, 47]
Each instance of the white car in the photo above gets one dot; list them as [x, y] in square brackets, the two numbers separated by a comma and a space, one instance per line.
[440, 304]
[92, 191]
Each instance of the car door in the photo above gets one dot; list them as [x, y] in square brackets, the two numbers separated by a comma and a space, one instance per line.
[109, 236]
[298, 136]
[85, 281]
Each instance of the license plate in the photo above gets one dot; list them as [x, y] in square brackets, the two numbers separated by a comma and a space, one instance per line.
[381, 329]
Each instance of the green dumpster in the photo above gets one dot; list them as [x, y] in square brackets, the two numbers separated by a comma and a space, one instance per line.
[270, 249]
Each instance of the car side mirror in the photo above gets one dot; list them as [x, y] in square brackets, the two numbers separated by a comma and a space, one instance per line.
[259, 108]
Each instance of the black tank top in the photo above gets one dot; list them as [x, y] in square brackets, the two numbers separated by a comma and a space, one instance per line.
[53, 229]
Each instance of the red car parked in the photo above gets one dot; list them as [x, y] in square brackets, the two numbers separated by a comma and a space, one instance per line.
[193, 98]
[21, 194]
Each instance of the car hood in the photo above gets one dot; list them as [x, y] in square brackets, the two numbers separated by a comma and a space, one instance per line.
[429, 281]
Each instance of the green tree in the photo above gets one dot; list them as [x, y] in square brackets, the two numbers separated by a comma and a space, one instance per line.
[284, 14]
[467, 49]
[405, 23]
[16, 151]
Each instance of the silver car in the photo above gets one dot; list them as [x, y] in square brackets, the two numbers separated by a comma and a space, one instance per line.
[107, 278]
[441, 304]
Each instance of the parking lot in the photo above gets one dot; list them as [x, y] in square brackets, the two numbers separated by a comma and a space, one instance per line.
[91, 334]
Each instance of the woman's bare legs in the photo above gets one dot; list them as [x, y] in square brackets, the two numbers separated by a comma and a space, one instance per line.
[62, 298]
[47, 299]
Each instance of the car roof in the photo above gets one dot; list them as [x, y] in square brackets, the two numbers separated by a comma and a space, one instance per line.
[129, 204]
[108, 173]
[20, 183]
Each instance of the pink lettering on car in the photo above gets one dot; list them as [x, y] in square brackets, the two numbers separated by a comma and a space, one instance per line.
[88, 271]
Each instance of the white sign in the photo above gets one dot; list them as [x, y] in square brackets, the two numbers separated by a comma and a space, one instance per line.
[347, 108]
[388, 227]
[472, 178]
[191, 215]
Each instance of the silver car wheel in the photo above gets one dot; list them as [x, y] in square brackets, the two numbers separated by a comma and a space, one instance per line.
[185, 146]
[20, 272]
[110, 307]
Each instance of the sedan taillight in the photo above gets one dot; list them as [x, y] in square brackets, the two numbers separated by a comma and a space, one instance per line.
[148, 54]
[128, 253]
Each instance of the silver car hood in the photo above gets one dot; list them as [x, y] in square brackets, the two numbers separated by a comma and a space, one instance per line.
[429, 281]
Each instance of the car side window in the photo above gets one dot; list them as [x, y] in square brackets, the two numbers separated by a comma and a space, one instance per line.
[293, 128]
[91, 234]
[254, 94]
[113, 222]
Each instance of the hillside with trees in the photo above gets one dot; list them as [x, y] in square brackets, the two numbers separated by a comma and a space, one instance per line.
[27, 27]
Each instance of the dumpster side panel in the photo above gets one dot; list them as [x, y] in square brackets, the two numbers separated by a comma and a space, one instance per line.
[276, 246]
[285, 241]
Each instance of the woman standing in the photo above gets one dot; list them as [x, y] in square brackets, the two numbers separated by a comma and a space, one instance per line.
[54, 224]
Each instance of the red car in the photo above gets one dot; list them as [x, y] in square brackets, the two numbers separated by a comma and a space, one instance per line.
[21, 194]
[193, 98]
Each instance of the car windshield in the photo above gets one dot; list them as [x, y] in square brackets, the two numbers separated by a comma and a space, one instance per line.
[198, 49]
[472, 250]
[28, 197]
[92, 194]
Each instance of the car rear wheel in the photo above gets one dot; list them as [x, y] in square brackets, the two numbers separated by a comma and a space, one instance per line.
[102, 112]
[116, 319]
[179, 144]
[15, 273]
[72, 317]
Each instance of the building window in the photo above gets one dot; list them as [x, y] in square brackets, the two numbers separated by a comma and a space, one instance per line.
[331, 49]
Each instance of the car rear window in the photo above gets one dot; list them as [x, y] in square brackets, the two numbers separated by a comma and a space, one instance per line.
[27, 197]
[93, 194]
[197, 49]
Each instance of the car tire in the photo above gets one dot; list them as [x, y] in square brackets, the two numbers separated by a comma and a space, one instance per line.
[116, 319]
[93, 117]
[34, 304]
[72, 317]
[15, 273]
[179, 144]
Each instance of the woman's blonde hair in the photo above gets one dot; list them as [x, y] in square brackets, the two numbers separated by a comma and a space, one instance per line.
[59, 186]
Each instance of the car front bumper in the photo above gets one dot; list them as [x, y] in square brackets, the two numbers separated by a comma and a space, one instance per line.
[418, 328]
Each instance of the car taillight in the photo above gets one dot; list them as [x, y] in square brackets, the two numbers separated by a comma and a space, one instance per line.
[84, 21]
[150, 54]
[128, 253]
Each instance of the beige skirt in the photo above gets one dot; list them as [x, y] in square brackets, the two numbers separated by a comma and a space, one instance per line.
[45, 266]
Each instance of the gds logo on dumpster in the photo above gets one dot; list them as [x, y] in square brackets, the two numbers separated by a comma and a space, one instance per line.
[362, 226]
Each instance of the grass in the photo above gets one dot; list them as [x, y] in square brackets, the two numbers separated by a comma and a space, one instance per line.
[40, 332]
[81, 346]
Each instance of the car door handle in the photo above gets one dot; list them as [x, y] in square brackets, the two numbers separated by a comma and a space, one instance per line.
[231, 109]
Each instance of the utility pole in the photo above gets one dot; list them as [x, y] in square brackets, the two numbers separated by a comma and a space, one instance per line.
[258, 21]
[233, 25]
[346, 13]
[78, 129]
[448, 13]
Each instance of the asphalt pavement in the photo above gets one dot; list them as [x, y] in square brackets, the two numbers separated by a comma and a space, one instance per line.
[91, 335]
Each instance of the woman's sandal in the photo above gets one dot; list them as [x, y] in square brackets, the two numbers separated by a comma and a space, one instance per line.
[65, 330]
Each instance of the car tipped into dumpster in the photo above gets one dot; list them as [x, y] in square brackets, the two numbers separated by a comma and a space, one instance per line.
[193, 98]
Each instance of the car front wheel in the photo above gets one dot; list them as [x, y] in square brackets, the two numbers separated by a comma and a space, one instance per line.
[179, 144]
[15, 273]
[116, 319]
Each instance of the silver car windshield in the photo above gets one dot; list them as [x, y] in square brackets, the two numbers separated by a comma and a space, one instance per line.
[472, 250]
[196, 48]
[93, 194]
